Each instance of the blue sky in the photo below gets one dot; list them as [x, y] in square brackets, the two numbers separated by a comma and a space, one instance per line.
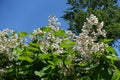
[26, 15]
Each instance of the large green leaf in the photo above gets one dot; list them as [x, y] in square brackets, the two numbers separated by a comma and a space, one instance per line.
[67, 44]
[23, 34]
[34, 44]
[116, 75]
[110, 49]
[42, 72]
[112, 57]
[46, 29]
[25, 58]
[60, 33]
[45, 56]
[106, 40]
[30, 48]
[67, 62]
[56, 60]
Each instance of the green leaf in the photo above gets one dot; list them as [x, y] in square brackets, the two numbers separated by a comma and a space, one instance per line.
[45, 56]
[52, 63]
[42, 72]
[35, 44]
[17, 52]
[57, 60]
[60, 33]
[110, 49]
[106, 40]
[32, 48]
[27, 52]
[39, 73]
[68, 62]
[23, 34]
[25, 58]
[116, 75]
[67, 43]
[9, 70]
[112, 57]
[46, 29]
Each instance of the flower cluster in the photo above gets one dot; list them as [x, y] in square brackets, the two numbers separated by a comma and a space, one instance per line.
[53, 21]
[87, 40]
[56, 49]
[9, 40]
[47, 38]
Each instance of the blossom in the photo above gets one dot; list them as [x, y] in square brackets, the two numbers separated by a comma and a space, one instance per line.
[48, 40]
[9, 40]
[53, 22]
[86, 40]
[92, 20]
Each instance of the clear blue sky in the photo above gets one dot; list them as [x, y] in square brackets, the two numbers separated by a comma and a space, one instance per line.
[26, 15]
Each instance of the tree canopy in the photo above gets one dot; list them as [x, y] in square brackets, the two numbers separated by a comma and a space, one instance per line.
[105, 10]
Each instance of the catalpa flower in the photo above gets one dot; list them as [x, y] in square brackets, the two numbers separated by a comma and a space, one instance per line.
[86, 40]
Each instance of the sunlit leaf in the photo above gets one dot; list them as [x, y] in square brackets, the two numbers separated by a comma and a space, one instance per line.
[116, 75]
[46, 29]
[45, 56]
[25, 58]
[106, 40]
[23, 34]
[112, 57]
[35, 44]
[60, 33]
[68, 62]
[42, 72]
[110, 49]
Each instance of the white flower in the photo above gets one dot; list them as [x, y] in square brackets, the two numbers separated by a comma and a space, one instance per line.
[53, 21]
[101, 25]
[92, 20]
[9, 40]
[86, 40]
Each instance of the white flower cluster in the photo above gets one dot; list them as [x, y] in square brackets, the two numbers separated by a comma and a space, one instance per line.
[53, 22]
[92, 20]
[8, 41]
[86, 41]
[49, 41]
[37, 32]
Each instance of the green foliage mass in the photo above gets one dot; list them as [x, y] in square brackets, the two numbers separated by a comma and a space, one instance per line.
[56, 54]
[105, 10]
[31, 63]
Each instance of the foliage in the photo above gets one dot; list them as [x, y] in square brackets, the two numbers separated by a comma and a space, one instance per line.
[105, 10]
[56, 54]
